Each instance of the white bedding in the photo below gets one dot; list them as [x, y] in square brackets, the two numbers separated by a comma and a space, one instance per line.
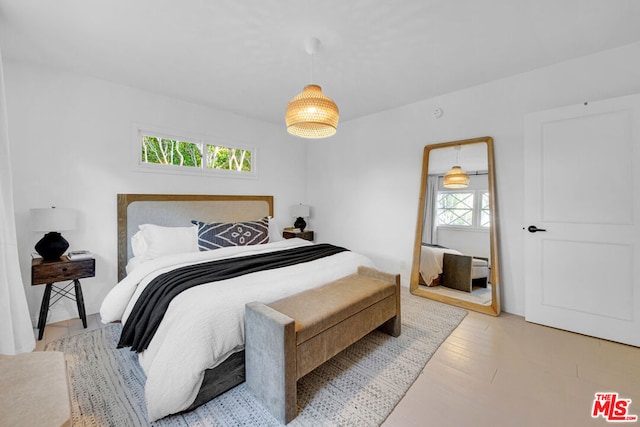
[205, 324]
[431, 259]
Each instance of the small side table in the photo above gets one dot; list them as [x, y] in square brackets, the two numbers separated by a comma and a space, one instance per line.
[59, 270]
[307, 234]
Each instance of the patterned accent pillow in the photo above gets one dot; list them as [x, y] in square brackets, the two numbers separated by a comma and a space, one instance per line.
[214, 235]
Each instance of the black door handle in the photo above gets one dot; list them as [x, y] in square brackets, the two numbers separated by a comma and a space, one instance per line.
[533, 229]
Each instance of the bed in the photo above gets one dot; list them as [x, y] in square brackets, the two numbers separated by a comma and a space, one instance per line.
[197, 350]
[441, 266]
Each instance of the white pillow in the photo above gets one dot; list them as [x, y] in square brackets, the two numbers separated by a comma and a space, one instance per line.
[275, 232]
[161, 241]
[134, 263]
[138, 245]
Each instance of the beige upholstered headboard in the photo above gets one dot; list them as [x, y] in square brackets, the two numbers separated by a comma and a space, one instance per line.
[177, 210]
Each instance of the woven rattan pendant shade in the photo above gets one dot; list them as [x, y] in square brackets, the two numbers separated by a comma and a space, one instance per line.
[312, 114]
[456, 178]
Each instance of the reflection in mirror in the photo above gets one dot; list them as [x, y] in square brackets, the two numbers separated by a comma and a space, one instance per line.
[455, 257]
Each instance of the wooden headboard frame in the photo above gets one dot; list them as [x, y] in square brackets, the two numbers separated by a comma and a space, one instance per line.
[176, 210]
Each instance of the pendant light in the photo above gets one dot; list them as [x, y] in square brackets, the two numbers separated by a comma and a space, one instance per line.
[312, 114]
[456, 177]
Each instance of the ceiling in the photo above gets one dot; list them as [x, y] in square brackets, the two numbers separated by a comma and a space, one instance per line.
[471, 157]
[248, 56]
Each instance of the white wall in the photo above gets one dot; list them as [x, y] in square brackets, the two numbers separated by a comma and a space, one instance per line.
[71, 138]
[474, 242]
[364, 182]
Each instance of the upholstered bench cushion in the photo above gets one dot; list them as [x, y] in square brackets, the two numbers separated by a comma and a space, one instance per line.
[287, 339]
[34, 390]
[319, 309]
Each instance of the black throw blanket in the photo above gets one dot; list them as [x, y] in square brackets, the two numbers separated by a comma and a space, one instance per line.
[152, 304]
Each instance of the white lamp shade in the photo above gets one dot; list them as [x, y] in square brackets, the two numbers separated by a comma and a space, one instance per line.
[298, 211]
[52, 219]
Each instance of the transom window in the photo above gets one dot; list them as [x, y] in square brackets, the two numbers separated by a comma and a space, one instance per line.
[162, 151]
[463, 209]
[169, 153]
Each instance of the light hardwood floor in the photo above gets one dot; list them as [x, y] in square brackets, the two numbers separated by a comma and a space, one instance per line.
[501, 372]
[66, 328]
[504, 371]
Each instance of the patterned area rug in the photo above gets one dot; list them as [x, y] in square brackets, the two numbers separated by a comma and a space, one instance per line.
[358, 387]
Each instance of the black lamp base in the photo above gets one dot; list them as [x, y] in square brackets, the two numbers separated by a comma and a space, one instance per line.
[300, 223]
[52, 246]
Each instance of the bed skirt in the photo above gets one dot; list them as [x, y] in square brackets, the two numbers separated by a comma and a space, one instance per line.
[220, 379]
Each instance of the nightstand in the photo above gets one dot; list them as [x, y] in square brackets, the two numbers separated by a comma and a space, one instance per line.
[60, 270]
[307, 234]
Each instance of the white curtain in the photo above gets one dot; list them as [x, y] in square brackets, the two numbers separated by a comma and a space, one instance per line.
[429, 232]
[16, 331]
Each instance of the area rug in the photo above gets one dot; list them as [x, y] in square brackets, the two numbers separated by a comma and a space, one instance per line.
[358, 387]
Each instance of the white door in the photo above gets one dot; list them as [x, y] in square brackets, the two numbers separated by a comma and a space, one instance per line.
[582, 186]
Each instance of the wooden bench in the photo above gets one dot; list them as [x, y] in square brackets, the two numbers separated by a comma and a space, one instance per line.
[287, 339]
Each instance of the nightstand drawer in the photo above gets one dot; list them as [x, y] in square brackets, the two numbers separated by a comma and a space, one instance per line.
[307, 235]
[58, 271]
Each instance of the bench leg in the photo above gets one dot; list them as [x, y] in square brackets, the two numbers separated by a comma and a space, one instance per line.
[391, 327]
[270, 359]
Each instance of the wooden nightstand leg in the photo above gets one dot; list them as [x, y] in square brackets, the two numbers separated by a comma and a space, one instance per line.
[44, 310]
[80, 303]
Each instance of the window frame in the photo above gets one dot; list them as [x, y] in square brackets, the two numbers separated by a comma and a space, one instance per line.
[481, 209]
[476, 210]
[140, 130]
[450, 192]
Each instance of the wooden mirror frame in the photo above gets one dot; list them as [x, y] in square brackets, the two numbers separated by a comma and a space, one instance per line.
[494, 308]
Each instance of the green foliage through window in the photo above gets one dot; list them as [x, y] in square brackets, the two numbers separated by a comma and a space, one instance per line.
[228, 158]
[171, 152]
[164, 151]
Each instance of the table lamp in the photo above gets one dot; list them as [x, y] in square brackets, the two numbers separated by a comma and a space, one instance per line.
[52, 221]
[301, 211]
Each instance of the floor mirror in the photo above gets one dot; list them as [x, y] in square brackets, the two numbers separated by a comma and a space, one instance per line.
[456, 257]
